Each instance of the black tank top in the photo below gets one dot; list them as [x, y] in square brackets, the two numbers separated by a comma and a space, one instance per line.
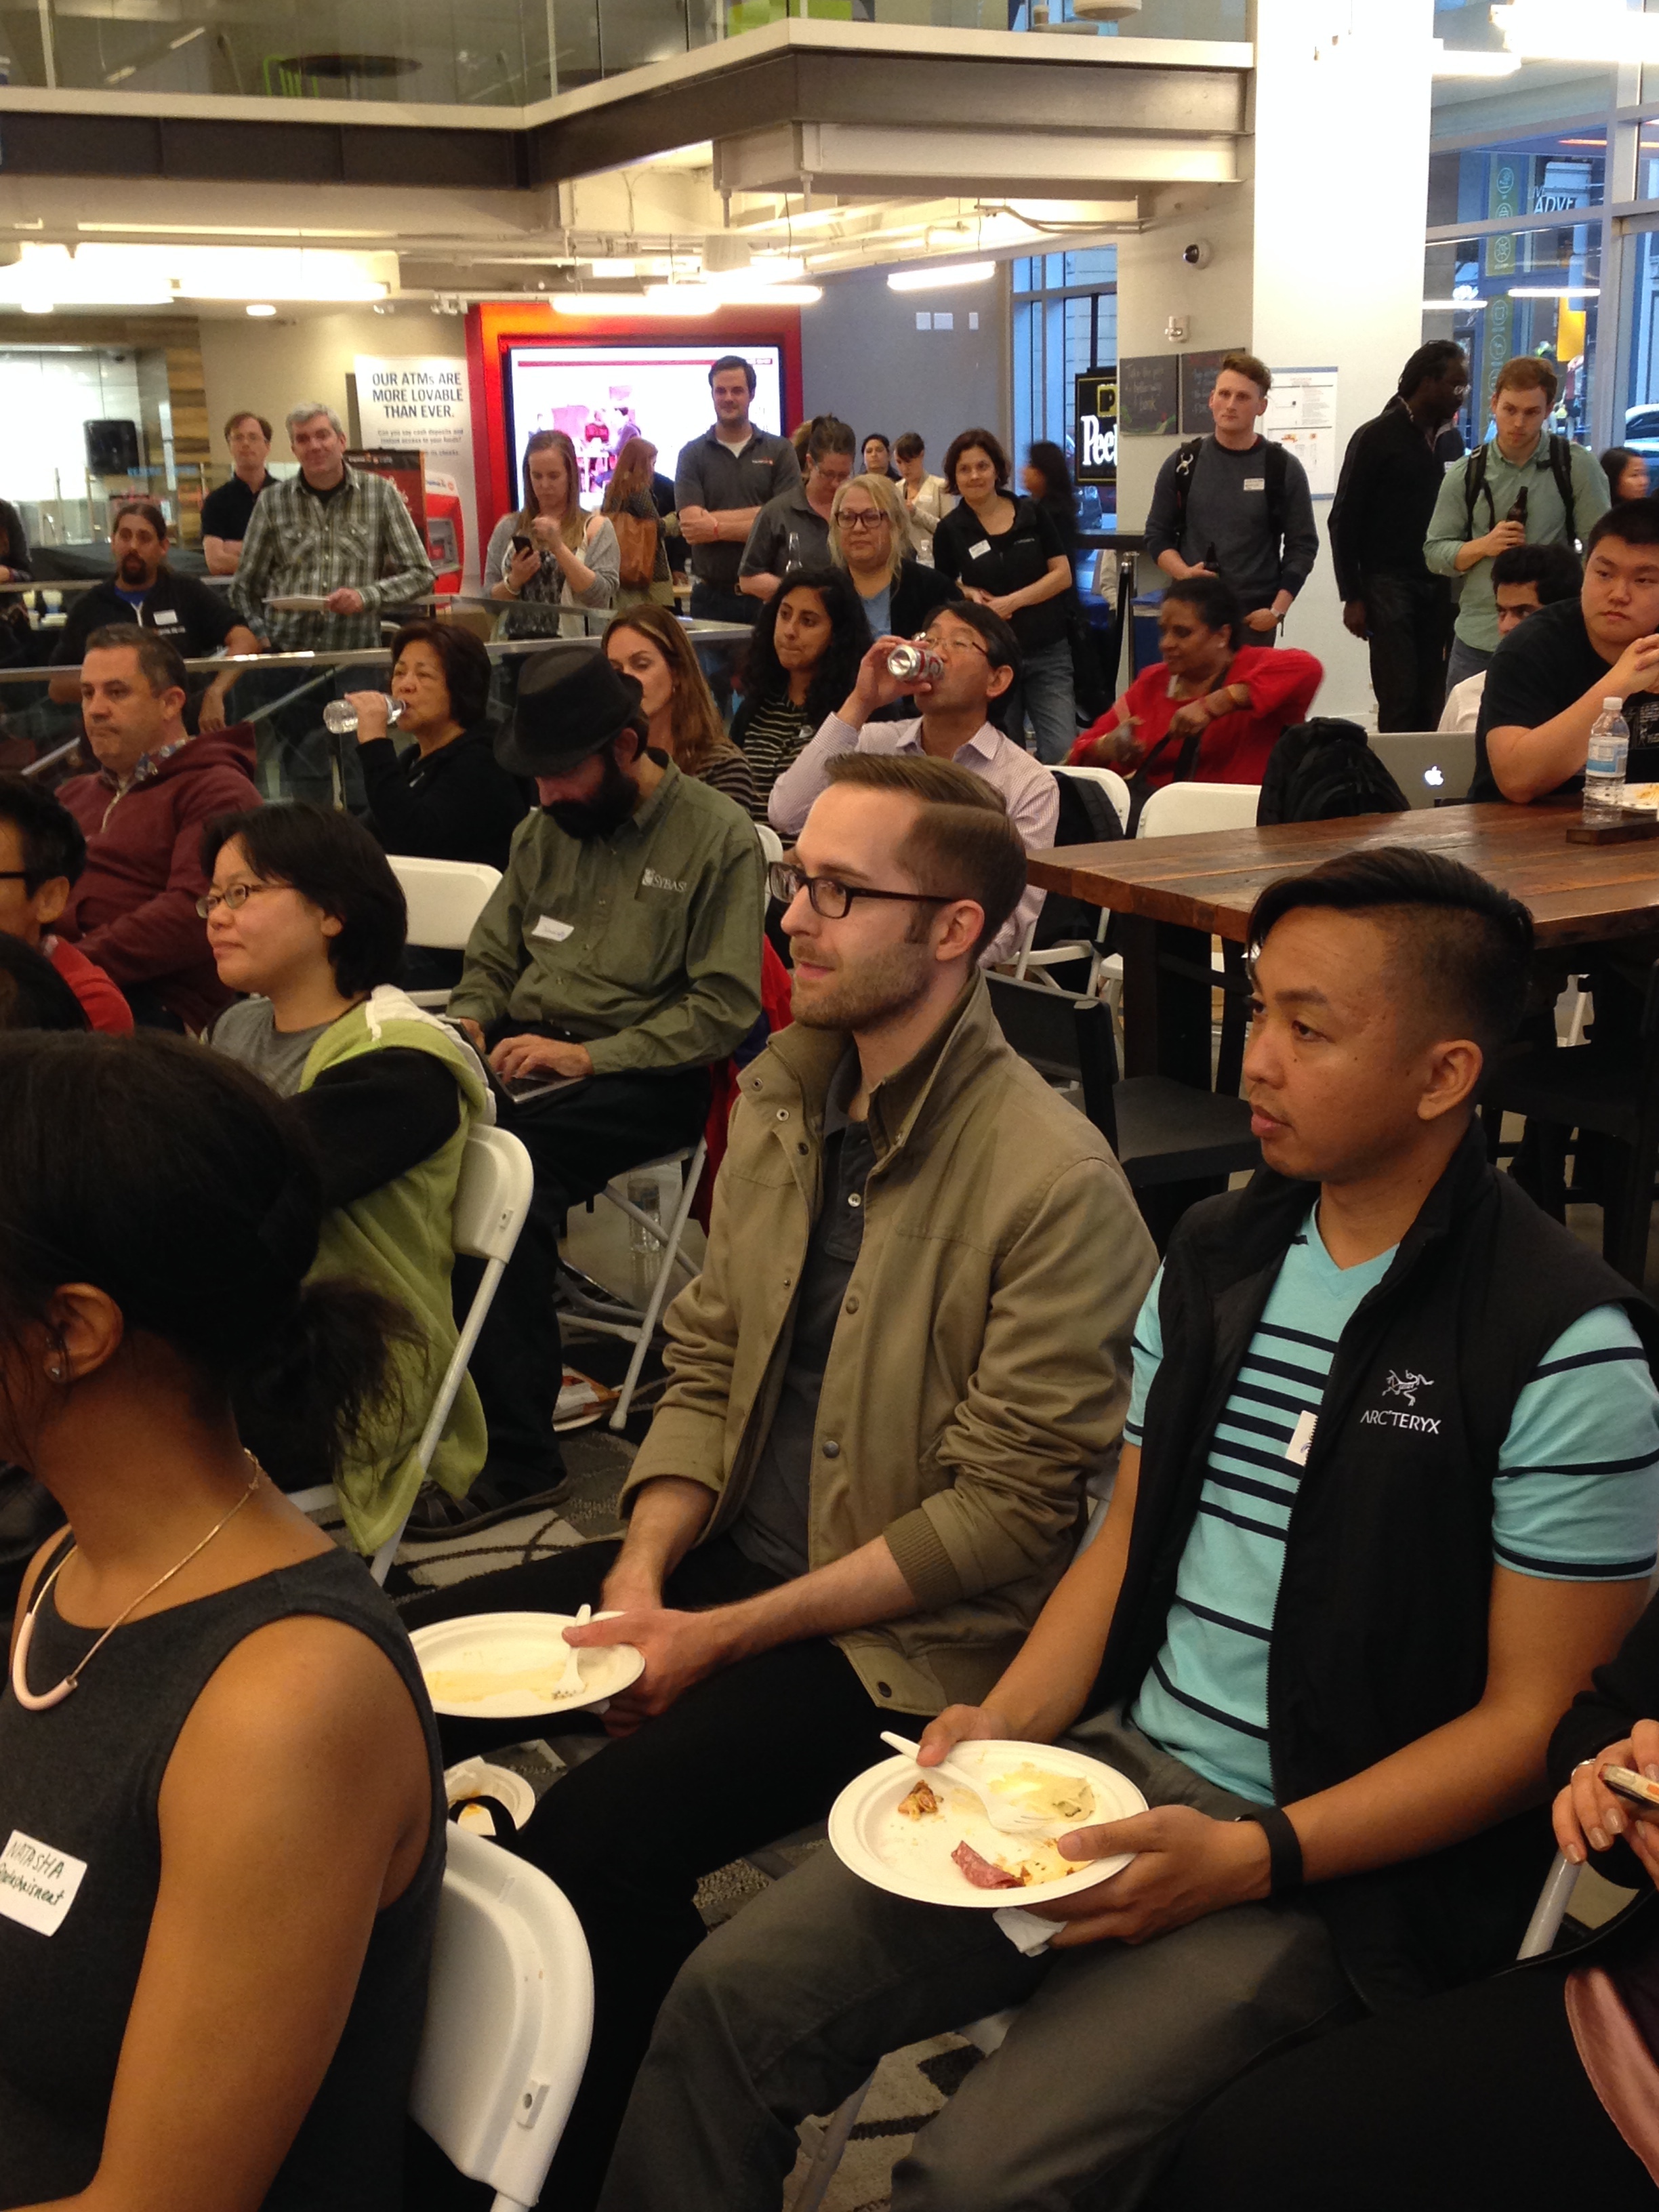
[82, 1781]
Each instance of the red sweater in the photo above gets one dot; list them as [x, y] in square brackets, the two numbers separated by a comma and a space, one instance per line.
[106, 1009]
[133, 909]
[1281, 683]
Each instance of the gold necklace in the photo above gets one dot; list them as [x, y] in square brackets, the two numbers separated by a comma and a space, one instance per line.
[20, 1690]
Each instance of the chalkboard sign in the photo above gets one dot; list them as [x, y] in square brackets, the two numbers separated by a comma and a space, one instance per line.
[1095, 445]
[1199, 372]
[1148, 395]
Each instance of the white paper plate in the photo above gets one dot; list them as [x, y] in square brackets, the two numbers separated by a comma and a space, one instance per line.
[300, 603]
[518, 1643]
[478, 1778]
[873, 1840]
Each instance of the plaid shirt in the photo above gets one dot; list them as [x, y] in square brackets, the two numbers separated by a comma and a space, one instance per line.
[298, 545]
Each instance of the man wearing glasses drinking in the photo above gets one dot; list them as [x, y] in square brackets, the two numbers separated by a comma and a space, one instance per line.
[909, 1339]
[978, 661]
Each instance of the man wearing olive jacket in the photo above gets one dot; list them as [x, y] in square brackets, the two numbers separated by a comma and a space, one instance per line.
[909, 1342]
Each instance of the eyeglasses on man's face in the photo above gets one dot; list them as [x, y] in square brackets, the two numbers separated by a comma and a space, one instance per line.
[948, 646]
[234, 897]
[832, 899]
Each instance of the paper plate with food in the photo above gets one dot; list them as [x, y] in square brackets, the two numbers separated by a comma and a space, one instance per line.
[1643, 795]
[904, 1828]
[514, 1666]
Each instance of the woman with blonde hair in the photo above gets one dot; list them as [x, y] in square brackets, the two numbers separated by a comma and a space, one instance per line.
[870, 538]
[550, 553]
[650, 644]
[643, 573]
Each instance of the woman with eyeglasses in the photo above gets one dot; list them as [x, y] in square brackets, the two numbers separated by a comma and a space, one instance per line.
[1006, 553]
[802, 661]
[550, 553]
[870, 538]
[305, 914]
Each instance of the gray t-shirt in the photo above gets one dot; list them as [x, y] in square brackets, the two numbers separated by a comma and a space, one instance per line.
[248, 1032]
[1229, 525]
[771, 1527]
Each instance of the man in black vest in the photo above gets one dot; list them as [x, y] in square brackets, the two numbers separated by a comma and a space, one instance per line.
[1388, 1493]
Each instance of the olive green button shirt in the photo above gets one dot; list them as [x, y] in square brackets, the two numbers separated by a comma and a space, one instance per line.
[1547, 522]
[646, 944]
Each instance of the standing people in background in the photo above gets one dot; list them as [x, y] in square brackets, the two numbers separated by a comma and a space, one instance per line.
[630, 506]
[793, 529]
[803, 660]
[1214, 708]
[13, 546]
[1007, 555]
[133, 910]
[721, 482]
[925, 497]
[1048, 480]
[227, 510]
[1236, 504]
[650, 645]
[1527, 487]
[332, 533]
[550, 553]
[1525, 578]
[228, 2011]
[446, 796]
[870, 538]
[194, 618]
[876, 458]
[1627, 474]
[1391, 477]
[42, 852]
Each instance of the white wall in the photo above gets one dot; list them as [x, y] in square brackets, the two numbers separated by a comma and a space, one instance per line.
[270, 367]
[863, 358]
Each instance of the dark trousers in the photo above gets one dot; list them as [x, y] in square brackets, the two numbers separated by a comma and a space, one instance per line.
[1473, 2098]
[577, 1140]
[1409, 618]
[148, 1011]
[749, 1754]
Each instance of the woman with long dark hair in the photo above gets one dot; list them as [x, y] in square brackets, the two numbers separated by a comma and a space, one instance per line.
[1627, 473]
[218, 1769]
[550, 552]
[802, 661]
[1047, 479]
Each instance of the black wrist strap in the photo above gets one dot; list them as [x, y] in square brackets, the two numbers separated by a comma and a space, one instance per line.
[1283, 1848]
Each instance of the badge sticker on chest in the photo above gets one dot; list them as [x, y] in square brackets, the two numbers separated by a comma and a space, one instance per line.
[978, 552]
[37, 1883]
[1256, 483]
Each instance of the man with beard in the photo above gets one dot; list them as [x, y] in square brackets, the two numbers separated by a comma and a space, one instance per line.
[617, 960]
[909, 1339]
[194, 619]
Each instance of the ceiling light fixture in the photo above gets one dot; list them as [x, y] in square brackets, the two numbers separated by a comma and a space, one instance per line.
[1596, 31]
[1555, 292]
[931, 280]
[1470, 61]
[709, 299]
[261, 308]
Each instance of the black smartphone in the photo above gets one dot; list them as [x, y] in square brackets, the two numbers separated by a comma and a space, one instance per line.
[522, 544]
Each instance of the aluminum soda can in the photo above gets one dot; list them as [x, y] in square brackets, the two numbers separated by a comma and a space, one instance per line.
[916, 664]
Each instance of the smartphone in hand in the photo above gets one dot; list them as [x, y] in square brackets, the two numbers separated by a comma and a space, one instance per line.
[1635, 1789]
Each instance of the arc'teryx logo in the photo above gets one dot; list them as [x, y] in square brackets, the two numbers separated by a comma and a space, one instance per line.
[1406, 1386]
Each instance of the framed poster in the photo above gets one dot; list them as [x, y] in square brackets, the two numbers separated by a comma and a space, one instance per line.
[1094, 415]
[1149, 395]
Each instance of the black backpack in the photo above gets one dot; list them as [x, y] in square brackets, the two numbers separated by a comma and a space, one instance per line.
[1322, 770]
[1086, 816]
[1475, 486]
[1275, 470]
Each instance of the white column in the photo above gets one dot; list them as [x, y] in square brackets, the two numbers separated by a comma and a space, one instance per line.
[1341, 185]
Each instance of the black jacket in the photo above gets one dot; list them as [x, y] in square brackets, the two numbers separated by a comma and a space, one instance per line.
[1380, 1631]
[458, 803]
[918, 592]
[1385, 497]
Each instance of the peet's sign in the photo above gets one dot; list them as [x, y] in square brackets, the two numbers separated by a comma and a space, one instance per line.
[1095, 447]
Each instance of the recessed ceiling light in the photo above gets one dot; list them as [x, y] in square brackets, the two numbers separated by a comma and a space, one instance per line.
[261, 307]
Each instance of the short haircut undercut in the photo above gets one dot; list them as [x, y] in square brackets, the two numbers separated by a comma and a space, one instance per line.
[1460, 948]
[1633, 522]
[962, 844]
[1248, 365]
[162, 664]
[733, 361]
[332, 859]
[1527, 372]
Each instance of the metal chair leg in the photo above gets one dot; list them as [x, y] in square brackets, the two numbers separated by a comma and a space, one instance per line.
[828, 2156]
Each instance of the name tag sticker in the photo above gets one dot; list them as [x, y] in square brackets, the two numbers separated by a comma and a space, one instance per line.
[1302, 1438]
[37, 1883]
[1256, 483]
[166, 618]
[978, 552]
[558, 931]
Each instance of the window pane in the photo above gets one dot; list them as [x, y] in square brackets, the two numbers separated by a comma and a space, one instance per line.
[1520, 292]
[1097, 266]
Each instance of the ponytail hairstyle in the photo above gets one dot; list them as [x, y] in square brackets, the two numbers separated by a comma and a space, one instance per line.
[174, 1181]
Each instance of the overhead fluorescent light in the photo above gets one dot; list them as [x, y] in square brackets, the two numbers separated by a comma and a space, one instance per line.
[35, 305]
[610, 271]
[1470, 61]
[1555, 292]
[1597, 31]
[930, 280]
[597, 303]
[709, 298]
[1433, 307]
[261, 308]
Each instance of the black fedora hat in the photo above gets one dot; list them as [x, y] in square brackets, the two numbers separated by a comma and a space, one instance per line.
[571, 703]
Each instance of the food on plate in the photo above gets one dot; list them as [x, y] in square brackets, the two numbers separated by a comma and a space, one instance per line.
[463, 1686]
[980, 1871]
[1642, 794]
[1041, 1863]
[921, 1804]
[1040, 1789]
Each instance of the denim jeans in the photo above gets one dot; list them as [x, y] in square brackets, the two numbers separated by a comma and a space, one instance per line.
[1048, 702]
[1465, 661]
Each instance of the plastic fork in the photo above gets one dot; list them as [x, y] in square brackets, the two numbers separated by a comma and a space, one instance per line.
[1008, 1819]
[570, 1684]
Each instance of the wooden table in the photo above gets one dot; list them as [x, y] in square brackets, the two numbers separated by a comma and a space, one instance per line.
[1176, 893]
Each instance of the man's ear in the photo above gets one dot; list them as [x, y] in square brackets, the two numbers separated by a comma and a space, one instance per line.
[964, 920]
[172, 700]
[999, 681]
[1454, 1069]
[48, 903]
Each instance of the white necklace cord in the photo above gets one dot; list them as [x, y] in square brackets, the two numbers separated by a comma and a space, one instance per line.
[20, 1690]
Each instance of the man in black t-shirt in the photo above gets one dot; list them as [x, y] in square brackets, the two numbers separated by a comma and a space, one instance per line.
[1549, 678]
[194, 618]
[227, 511]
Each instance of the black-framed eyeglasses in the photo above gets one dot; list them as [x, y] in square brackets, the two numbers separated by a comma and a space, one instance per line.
[14, 875]
[234, 896]
[832, 899]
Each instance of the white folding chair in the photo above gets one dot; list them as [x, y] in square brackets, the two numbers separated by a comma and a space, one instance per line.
[444, 898]
[492, 1198]
[1186, 809]
[509, 2013]
[771, 844]
[611, 1316]
[1030, 963]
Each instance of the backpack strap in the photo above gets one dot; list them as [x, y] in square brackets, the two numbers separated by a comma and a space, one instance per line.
[1561, 470]
[1186, 463]
[1475, 483]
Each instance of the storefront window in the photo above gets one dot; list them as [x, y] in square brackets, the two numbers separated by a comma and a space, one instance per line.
[1065, 323]
[1512, 292]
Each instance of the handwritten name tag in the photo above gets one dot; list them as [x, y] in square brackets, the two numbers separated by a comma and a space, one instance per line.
[558, 931]
[1256, 483]
[978, 552]
[37, 1883]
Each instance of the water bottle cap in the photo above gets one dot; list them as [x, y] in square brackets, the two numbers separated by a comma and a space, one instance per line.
[1611, 706]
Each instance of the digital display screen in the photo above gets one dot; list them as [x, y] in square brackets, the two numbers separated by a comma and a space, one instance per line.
[600, 395]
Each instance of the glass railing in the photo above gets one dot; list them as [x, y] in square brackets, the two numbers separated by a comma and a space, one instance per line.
[501, 53]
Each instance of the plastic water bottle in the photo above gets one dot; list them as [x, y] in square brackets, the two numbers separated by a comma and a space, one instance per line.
[340, 716]
[1605, 762]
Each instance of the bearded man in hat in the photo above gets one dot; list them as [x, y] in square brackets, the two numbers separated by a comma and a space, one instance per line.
[618, 959]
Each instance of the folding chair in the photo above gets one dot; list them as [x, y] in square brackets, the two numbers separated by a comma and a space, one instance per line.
[509, 2013]
[444, 898]
[492, 1198]
[609, 1316]
[1104, 971]
[771, 844]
